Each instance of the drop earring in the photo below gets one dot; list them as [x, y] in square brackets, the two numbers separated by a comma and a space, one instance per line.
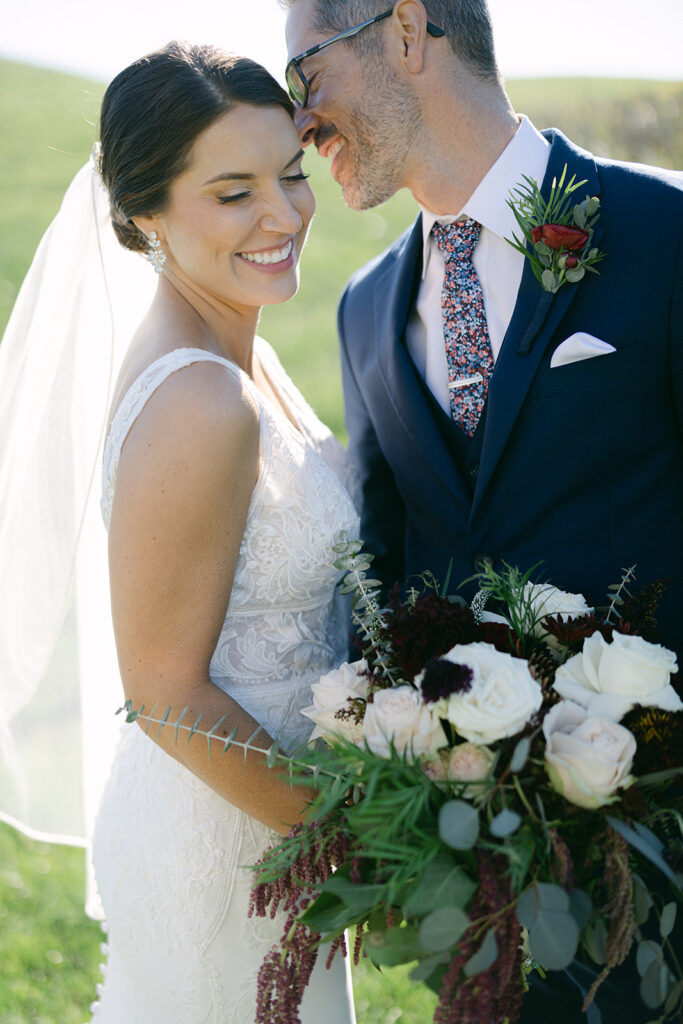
[155, 254]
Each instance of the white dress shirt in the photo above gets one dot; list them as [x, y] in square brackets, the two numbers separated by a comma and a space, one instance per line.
[497, 264]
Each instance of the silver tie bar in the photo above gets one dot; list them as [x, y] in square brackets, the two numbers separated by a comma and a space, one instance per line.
[464, 382]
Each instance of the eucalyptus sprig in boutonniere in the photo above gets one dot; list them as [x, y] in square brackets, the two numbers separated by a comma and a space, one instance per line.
[559, 231]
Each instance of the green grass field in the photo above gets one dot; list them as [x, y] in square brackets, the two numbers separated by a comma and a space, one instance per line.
[49, 951]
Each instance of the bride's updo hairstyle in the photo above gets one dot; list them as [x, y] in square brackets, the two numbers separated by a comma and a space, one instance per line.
[153, 111]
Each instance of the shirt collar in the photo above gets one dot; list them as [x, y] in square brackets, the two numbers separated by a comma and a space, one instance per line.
[526, 153]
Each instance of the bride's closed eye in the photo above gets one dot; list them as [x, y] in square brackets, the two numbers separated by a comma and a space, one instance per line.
[301, 176]
[233, 198]
[289, 179]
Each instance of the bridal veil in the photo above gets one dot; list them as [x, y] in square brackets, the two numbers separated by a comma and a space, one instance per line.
[59, 688]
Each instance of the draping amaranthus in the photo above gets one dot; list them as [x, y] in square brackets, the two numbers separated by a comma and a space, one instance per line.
[284, 974]
[494, 994]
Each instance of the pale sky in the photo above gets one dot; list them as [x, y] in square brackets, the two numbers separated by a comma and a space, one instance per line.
[617, 38]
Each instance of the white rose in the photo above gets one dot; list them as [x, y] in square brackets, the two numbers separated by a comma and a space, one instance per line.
[331, 693]
[544, 600]
[503, 696]
[587, 758]
[400, 716]
[610, 678]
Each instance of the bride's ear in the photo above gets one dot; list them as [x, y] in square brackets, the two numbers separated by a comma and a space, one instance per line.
[147, 225]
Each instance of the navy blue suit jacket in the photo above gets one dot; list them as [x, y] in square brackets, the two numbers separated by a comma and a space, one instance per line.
[581, 465]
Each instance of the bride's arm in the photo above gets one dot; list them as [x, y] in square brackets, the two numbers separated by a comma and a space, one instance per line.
[185, 478]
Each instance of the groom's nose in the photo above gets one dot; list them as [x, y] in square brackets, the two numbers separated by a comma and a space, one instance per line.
[306, 125]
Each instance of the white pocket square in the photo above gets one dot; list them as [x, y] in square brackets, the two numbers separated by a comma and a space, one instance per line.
[579, 346]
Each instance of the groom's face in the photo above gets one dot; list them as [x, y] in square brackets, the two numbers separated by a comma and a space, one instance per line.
[358, 114]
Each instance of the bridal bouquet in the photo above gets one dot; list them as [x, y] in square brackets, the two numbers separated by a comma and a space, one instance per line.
[498, 791]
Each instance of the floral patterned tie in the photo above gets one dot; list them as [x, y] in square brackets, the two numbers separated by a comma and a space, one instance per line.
[465, 332]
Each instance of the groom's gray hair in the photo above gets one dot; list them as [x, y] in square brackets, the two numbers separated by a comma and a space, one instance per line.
[467, 24]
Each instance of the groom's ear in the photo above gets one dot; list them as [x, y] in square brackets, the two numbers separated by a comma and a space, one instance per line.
[409, 21]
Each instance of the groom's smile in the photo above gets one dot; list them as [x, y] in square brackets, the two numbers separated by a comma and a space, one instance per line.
[355, 106]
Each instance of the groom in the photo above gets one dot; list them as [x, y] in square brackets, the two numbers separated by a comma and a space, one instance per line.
[561, 438]
[570, 450]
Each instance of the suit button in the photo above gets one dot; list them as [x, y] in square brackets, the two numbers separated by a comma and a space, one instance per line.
[481, 562]
[474, 472]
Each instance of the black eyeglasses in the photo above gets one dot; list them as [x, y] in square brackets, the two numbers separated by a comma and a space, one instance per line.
[297, 83]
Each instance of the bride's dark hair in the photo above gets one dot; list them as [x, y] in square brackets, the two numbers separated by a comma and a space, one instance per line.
[153, 111]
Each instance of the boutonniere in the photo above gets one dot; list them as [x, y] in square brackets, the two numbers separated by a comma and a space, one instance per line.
[559, 231]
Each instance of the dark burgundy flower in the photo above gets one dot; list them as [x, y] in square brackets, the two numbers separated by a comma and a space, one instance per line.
[442, 678]
[427, 629]
[499, 635]
[559, 236]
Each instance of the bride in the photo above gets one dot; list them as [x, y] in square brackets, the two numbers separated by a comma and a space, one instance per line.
[222, 495]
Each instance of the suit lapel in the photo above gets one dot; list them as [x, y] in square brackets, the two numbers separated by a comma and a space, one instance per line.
[394, 297]
[536, 316]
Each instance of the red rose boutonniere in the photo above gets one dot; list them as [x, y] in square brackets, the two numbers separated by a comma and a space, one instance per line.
[559, 231]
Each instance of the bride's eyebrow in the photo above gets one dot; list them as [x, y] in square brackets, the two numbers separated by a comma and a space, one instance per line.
[247, 176]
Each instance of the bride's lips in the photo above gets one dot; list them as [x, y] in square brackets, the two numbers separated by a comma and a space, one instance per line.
[272, 260]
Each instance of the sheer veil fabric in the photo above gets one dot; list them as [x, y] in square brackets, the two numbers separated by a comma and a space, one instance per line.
[75, 314]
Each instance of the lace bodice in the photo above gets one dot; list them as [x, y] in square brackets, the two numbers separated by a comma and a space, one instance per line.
[286, 624]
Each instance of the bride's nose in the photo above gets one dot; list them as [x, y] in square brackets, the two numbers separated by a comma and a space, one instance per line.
[281, 216]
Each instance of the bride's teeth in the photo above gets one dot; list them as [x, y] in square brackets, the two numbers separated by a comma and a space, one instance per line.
[274, 256]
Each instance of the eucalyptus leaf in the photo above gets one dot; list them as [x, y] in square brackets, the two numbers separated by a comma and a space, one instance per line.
[654, 985]
[356, 897]
[442, 928]
[595, 941]
[393, 946]
[520, 755]
[505, 823]
[642, 901]
[442, 884]
[575, 274]
[426, 967]
[459, 824]
[667, 920]
[539, 897]
[486, 955]
[580, 907]
[554, 939]
[646, 954]
[580, 215]
[548, 280]
[642, 840]
[675, 994]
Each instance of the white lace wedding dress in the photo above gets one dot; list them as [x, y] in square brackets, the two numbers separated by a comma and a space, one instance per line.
[169, 852]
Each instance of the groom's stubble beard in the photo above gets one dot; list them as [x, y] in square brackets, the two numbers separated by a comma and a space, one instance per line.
[386, 127]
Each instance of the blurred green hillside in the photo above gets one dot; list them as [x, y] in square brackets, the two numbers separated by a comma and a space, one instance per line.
[48, 124]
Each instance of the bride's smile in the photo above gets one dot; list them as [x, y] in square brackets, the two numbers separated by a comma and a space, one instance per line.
[237, 216]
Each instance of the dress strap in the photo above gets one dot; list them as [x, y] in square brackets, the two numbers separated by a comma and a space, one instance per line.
[133, 402]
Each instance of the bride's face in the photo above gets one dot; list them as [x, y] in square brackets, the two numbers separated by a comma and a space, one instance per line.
[238, 215]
